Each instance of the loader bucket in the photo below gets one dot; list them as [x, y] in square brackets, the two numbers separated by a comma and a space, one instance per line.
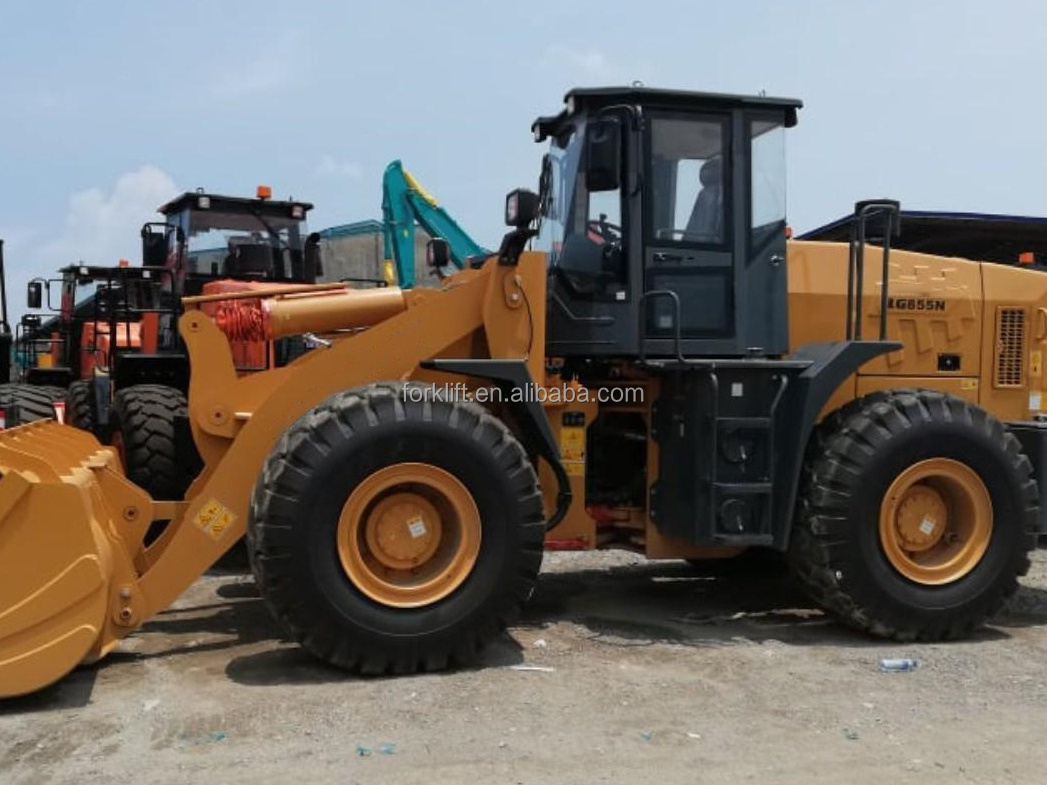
[56, 553]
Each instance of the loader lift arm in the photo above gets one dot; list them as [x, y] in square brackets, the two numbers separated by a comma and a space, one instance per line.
[404, 203]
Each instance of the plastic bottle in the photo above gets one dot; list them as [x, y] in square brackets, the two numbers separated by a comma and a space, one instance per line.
[898, 665]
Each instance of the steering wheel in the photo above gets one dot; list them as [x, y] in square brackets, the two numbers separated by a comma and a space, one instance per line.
[610, 233]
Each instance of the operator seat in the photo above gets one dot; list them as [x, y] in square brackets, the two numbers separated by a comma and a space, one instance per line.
[706, 221]
[249, 260]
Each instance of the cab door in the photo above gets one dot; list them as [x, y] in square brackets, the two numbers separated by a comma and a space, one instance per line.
[689, 239]
[592, 292]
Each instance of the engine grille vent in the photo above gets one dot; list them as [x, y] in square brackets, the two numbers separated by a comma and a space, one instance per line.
[1010, 348]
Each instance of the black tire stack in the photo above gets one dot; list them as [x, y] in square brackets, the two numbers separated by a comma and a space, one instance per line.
[143, 419]
[80, 409]
[25, 403]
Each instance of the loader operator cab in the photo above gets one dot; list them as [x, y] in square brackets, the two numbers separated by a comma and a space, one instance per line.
[207, 236]
[662, 212]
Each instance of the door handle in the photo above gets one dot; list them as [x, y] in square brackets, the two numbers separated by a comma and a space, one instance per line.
[667, 257]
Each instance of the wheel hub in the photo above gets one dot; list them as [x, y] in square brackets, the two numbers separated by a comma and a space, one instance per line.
[409, 535]
[936, 521]
[922, 518]
[403, 530]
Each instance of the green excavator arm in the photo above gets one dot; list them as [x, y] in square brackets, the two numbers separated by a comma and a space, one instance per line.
[405, 203]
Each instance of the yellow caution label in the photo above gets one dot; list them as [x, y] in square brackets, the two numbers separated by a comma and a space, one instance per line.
[572, 444]
[574, 468]
[1035, 363]
[968, 384]
[214, 518]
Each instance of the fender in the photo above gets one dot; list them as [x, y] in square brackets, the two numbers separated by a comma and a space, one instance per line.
[529, 415]
[831, 364]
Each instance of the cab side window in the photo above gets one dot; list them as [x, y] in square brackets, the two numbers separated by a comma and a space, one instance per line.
[767, 181]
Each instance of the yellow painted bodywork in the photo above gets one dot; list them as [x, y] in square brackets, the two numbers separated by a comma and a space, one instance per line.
[76, 577]
[939, 306]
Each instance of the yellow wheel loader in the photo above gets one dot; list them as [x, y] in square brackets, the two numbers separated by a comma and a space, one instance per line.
[659, 371]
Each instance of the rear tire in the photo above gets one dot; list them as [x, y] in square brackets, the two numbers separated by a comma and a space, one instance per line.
[79, 407]
[298, 510]
[25, 403]
[843, 547]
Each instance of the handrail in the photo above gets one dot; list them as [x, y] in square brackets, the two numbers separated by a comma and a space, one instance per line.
[891, 208]
[641, 318]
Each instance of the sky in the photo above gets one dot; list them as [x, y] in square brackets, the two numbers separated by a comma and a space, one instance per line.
[109, 108]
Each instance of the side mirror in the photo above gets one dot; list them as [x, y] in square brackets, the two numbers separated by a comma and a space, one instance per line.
[34, 294]
[521, 208]
[603, 155]
[314, 267]
[437, 254]
[154, 247]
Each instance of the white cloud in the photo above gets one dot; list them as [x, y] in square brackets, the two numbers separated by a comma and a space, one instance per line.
[102, 227]
[330, 166]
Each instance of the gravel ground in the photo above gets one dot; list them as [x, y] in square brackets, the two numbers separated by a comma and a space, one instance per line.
[643, 672]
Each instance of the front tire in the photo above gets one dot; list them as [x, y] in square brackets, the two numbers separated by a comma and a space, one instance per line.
[388, 535]
[916, 516]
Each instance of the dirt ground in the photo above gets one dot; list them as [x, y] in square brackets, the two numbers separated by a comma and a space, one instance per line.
[644, 672]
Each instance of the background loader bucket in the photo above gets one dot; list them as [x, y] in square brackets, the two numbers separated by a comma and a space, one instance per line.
[56, 553]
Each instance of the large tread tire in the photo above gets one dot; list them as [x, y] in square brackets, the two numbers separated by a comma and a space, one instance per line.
[79, 408]
[31, 402]
[296, 504]
[855, 454]
[142, 422]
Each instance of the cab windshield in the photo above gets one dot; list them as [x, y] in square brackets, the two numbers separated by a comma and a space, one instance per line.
[244, 244]
[580, 230]
[559, 172]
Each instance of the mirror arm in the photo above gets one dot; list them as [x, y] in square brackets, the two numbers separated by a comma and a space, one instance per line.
[635, 113]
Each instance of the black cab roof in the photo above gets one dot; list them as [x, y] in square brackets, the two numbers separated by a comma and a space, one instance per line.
[191, 200]
[598, 97]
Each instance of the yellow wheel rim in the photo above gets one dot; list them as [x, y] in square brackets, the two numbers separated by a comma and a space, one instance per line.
[936, 521]
[409, 535]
